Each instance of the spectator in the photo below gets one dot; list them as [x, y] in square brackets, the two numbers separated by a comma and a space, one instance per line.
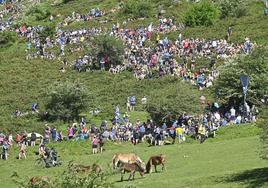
[202, 133]
[95, 145]
[33, 138]
[179, 134]
[132, 103]
[22, 152]
[5, 148]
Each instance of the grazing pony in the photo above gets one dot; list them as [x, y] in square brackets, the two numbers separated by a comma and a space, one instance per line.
[42, 181]
[78, 168]
[154, 161]
[125, 158]
[131, 168]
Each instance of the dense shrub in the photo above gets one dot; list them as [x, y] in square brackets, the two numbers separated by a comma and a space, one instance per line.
[68, 179]
[7, 39]
[49, 30]
[108, 47]
[204, 14]
[38, 13]
[233, 8]
[66, 1]
[263, 123]
[67, 100]
[138, 8]
[177, 100]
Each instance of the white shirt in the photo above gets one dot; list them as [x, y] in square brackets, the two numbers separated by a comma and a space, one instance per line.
[232, 112]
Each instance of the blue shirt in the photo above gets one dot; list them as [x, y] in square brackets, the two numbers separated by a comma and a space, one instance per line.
[142, 129]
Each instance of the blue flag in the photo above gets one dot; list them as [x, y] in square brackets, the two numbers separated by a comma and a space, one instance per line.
[245, 82]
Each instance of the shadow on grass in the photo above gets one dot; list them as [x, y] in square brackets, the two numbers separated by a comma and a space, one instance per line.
[126, 180]
[250, 178]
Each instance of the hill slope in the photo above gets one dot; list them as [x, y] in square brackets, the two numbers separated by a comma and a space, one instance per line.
[228, 162]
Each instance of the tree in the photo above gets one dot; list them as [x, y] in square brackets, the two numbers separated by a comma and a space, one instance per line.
[67, 100]
[228, 86]
[177, 100]
[108, 47]
[263, 123]
[138, 9]
[38, 13]
[7, 39]
[233, 8]
[66, 1]
[203, 14]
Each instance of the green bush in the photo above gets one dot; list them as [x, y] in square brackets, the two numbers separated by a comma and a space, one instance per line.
[178, 99]
[138, 8]
[67, 100]
[233, 8]
[38, 13]
[66, 1]
[204, 14]
[68, 179]
[49, 30]
[7, 39]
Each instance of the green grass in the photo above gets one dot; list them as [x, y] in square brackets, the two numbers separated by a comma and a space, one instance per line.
[224, 162]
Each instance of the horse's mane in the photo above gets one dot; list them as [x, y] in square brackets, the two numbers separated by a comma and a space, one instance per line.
[139, 166]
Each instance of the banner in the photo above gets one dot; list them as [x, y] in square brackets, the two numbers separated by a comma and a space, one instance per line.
[245, 82]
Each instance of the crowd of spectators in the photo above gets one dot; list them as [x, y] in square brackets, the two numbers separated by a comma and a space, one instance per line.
[121, 129]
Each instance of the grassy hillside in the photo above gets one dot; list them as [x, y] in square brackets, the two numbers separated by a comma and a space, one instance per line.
[26, 81]
[223, 162]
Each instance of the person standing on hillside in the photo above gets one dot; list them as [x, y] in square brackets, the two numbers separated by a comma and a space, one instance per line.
[101, 143]
[33, 138]
[179, 134]
[132, 103]
[232, 118]
[202, 133]
[22, 151]
[229, 32]
[70, 132]
[95, 145]
[5, 148]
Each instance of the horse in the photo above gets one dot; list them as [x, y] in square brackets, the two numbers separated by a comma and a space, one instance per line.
[125, 158]
[131, 168]
[78, 168]
[42, 181]
[154, 161]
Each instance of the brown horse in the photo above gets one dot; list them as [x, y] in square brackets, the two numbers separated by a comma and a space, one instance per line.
[154, 161]
[125, 158]
[42, 181]
[131, 168]
[78, 168]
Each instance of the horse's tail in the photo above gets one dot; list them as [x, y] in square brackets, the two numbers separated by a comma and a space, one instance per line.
[148, 166]
[114, 160]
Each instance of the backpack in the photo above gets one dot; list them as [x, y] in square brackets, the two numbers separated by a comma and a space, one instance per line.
[33, 136]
